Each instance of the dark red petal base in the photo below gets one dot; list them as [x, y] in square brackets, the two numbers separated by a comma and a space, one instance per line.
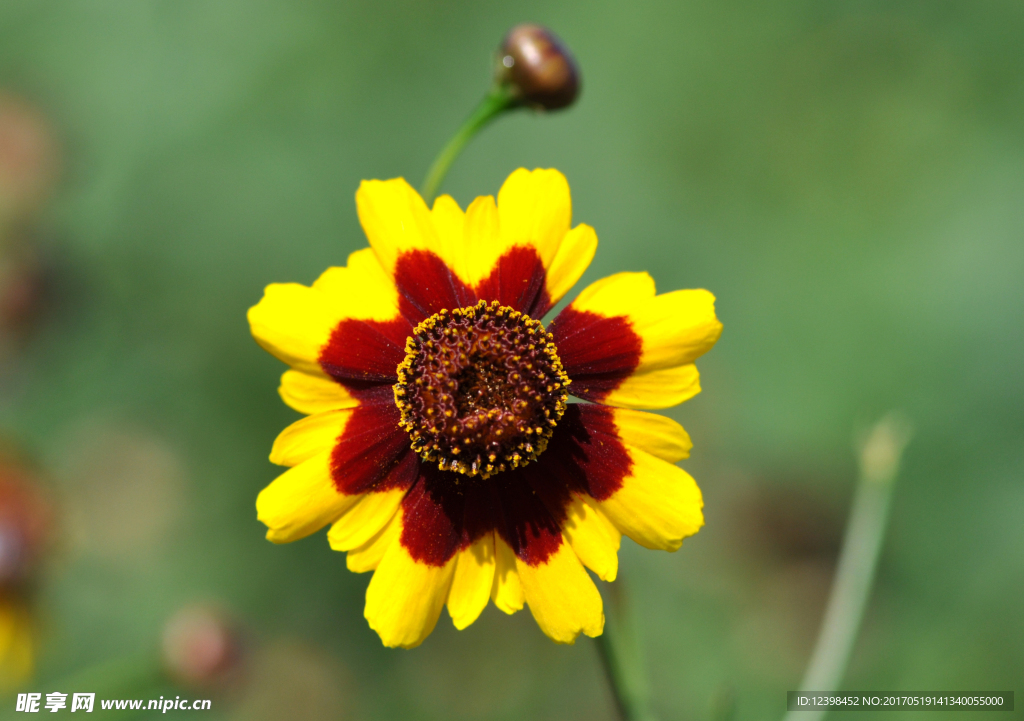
[598, 353]
[363, 353]
[373, 453]
[446, 511]
[426, 285]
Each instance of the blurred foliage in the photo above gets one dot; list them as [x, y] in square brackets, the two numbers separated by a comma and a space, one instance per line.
[847, 177]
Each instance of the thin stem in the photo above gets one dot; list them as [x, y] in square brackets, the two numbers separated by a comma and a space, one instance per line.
[858, 559]
[494, 104]
[620, 654]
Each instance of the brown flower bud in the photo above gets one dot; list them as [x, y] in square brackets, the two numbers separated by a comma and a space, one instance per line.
[202, 647]
[537, 68]
[24, 281]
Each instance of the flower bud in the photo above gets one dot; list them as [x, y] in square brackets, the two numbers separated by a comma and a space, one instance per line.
[28, 158]
[23, 291]
[202, 647]
[538, 70]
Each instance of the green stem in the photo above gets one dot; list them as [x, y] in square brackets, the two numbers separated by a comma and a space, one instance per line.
[858, 559]
[494, 104]
[620, 654]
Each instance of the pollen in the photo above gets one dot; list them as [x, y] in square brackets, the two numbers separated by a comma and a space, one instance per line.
[494, 375]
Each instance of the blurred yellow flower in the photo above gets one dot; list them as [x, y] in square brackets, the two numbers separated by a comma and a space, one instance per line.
[17, 644]
[24, 521]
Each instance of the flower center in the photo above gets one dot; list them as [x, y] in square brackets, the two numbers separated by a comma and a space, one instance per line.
[481, 389]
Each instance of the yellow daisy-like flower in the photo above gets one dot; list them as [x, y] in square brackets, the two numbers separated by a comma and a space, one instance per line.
[17, 644]
[441, 445]
[24, 528]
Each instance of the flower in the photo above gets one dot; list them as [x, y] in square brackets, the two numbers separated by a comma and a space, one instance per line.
[17, 642]
[29, 159]
[440, 443]
[24, 528]
[202, 647]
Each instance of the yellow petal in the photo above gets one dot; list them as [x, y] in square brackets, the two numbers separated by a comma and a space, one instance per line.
[658, 505]
[534, 208]
[365, 519]
[405, 597]
[308, 436]
[395, 220]
[662, 388]
[301, 501]
[660, 436]
[507, 591]
[367, 557]
[449, 221]
[572, 259]
[593, 538]
[313, 394]
[294, 322]
[676, 328]
[561, 596]
[362, 289]
[471, 585]
[483, 239]
[616, 295]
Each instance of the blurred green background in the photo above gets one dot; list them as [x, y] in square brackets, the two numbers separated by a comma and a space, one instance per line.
[846, 177]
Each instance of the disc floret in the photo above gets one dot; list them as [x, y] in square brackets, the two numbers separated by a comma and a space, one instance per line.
[481, 389]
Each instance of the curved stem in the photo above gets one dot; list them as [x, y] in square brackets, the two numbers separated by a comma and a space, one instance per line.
[494, 104]
[858, 559]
